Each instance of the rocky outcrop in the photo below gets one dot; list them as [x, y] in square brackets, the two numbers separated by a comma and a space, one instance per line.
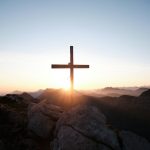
[145, 94]
[27, 98]
[25, 125]
[69, 138]
[42, 118]
[18, 103]
[84, 125]
[12, 128]
[85, 128]
[13, 125]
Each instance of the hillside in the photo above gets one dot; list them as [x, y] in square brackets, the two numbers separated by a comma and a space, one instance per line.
[46, 123]
[124, 112]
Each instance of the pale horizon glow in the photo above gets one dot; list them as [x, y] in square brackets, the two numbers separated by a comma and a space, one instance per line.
[111, 36]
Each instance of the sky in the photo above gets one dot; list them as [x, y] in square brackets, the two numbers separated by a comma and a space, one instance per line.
[112, 36]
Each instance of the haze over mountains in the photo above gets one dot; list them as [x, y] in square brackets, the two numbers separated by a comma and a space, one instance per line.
[115, 92]
[107, 91]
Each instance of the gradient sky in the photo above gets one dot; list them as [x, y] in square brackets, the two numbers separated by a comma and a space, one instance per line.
[113, 36]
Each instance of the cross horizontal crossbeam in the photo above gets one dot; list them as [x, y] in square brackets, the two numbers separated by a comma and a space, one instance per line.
[61, 66]
[56, 66]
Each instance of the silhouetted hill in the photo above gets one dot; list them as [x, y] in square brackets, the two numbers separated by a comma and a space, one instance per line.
[14, 102]
[50, 93]
[17, 102]
[60, 97]
[36, 93]
[27, 97]
[145, 94]
[16, 92]
[141, 90]
[55, 96]
[115, 92]
[107, 91]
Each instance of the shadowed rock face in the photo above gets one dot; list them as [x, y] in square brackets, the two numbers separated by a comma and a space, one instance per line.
[69, 138]
[84, 127]
[13, 131]
[131, 141]
[145, 94]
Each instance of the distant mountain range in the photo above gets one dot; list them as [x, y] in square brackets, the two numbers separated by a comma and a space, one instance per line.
[34, 94]
[107, 91]
[115, 92]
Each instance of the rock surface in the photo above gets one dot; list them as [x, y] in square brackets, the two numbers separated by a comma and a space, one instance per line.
[90, 124]
[85, 128]
[42, 118]
[27, 124]
[13, 124]
[131, 141]
[69, 138]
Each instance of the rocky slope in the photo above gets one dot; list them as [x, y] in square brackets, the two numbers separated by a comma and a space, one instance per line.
[85, 128]
[27, 124]
[13, 122]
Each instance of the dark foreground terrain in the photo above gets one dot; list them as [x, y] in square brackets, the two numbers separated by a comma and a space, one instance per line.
[49, 123]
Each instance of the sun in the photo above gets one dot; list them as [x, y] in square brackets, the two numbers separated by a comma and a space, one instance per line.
[61, 79]
[65, 85]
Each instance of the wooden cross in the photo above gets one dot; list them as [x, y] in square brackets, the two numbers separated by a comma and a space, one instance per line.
[70, 66]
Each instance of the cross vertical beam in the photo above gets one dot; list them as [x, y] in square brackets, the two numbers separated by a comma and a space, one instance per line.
[71, 71]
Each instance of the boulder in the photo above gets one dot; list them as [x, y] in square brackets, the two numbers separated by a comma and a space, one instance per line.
[70, 139]
[42, 118]
[84, 127]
